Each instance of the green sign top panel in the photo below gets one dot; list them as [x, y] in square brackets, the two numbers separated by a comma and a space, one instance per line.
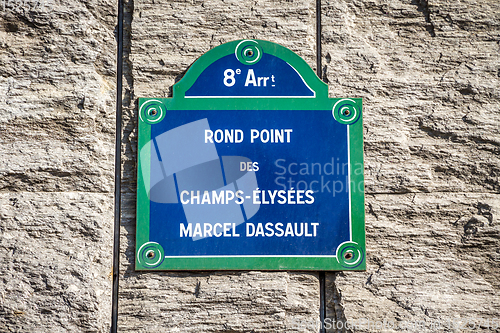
[250, 166]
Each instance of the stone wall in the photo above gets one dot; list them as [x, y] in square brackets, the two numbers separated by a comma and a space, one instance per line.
[57, 88]
[429, 73]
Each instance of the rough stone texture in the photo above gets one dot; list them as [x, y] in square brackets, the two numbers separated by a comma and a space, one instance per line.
[217, 302]
[163, 52]
[429, 76]
[159, 54]
[57, 73]
[55, 251]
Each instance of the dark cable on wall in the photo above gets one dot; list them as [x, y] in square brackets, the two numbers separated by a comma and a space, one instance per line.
[118, 178]
[322, 301]
[318, 39]
[322, 287]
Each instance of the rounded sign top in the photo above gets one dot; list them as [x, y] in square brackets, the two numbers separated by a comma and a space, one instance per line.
[250, 69]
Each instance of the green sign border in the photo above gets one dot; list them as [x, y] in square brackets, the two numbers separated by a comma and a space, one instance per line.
[342, 261]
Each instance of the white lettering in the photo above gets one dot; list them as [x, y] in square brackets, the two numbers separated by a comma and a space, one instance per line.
[197, 231]
[250, 226]
[184, 202]
[217, 234]
[186, 231]
[208, 136]
[250, 78]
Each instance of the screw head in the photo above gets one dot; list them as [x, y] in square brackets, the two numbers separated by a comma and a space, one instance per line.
[150, 254]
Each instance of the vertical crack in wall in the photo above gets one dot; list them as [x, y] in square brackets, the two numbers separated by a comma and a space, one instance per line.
[127, 63]
[129, 152]
[130, 135]
[129, 146]
[423, 6]
[337, 320]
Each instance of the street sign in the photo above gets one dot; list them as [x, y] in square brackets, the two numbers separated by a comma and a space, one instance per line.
[250, 166]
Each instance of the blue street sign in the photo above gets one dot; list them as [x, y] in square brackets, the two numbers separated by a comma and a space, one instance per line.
[250, 166]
